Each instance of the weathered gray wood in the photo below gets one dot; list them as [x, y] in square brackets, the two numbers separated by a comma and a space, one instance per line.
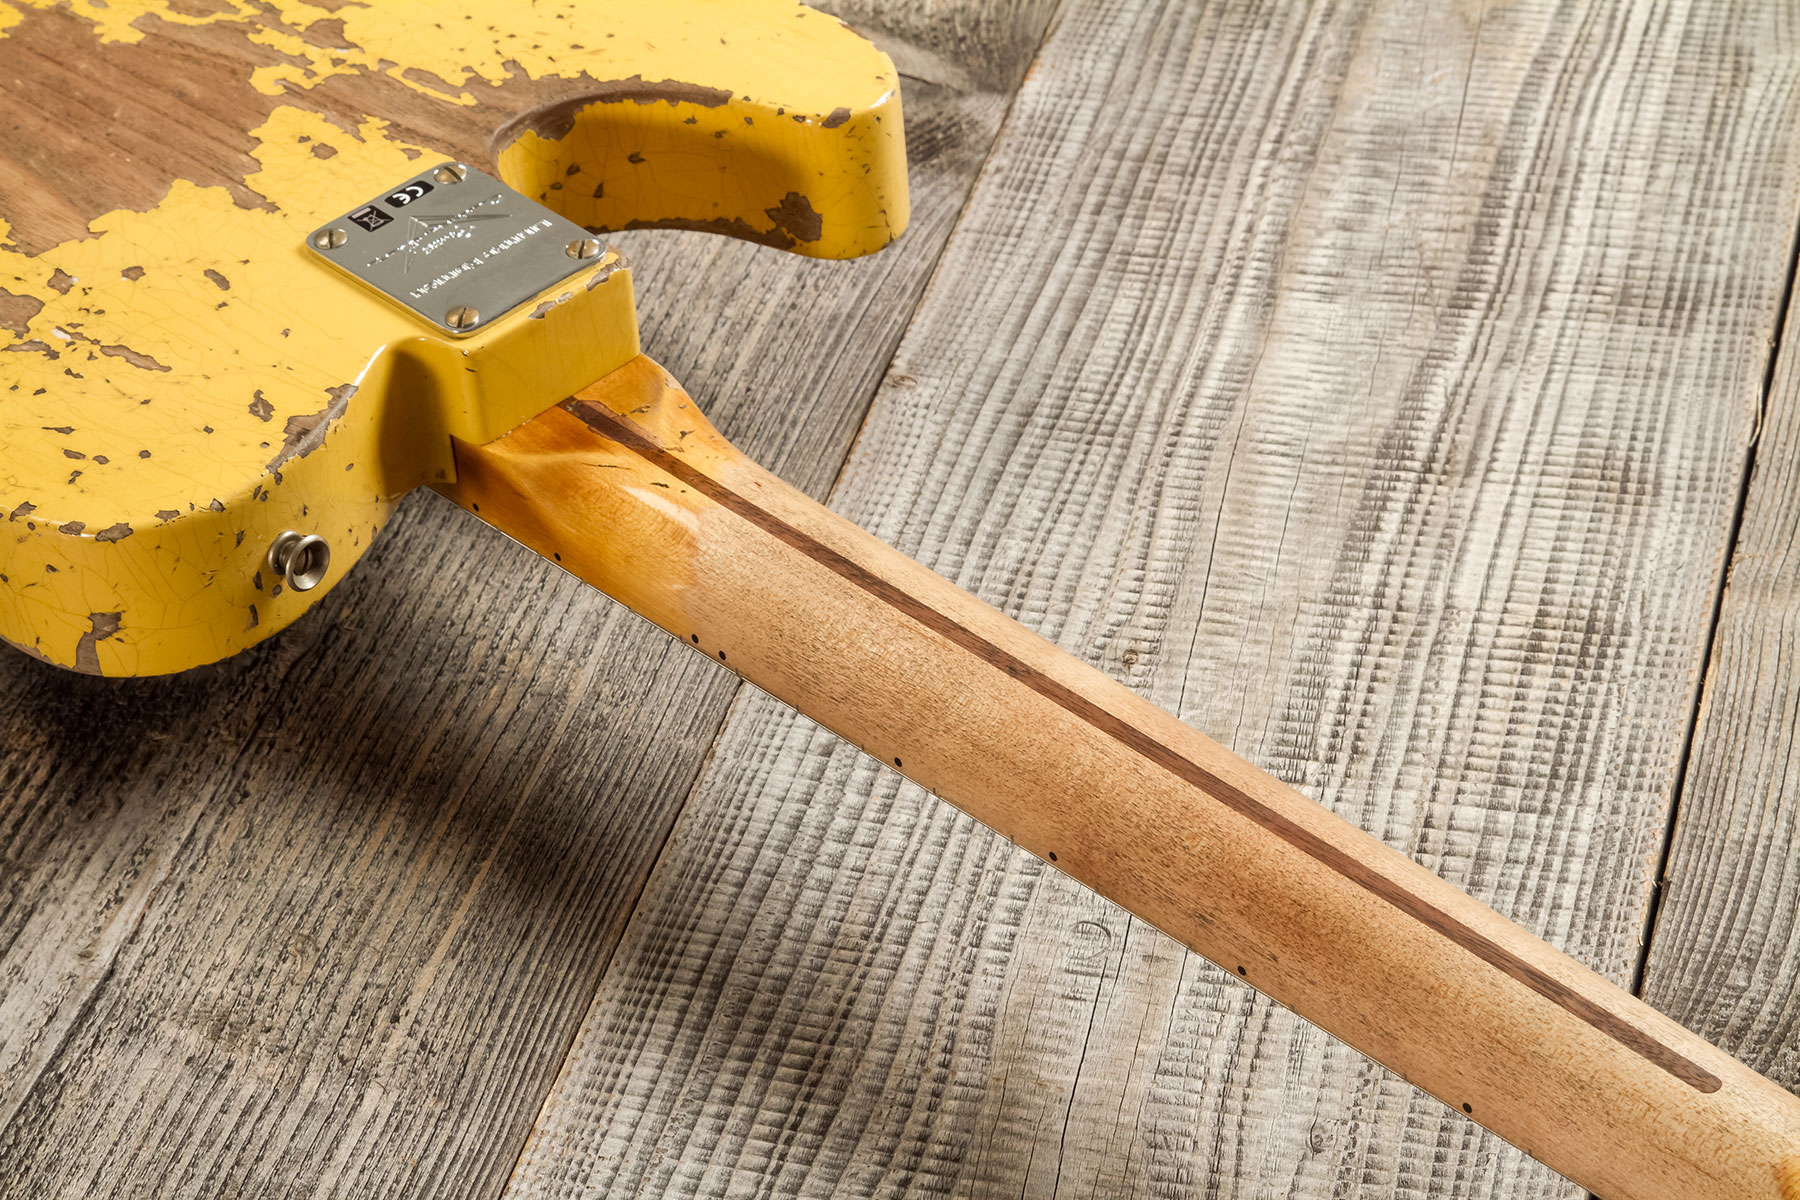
[322, 920]
[1722, 954]
[976, 47]
[1370, 385]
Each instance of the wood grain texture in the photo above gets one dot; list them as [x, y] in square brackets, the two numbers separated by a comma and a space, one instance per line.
[631, 489]
[200, 85]
[1372, 389]
[1722, 954]
[322, 920]
[977, 47]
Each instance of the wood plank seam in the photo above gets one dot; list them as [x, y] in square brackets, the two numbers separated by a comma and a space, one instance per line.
[1709, 652]
[26, 1085]
[1624, 475]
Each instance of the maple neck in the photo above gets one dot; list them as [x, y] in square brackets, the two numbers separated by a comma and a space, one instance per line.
[628, 487]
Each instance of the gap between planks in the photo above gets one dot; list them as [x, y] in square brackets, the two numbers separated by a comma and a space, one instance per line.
[1708, 654]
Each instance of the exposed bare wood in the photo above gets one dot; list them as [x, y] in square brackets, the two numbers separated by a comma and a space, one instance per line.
[82, 100]
[1372, 389]
[324, 918]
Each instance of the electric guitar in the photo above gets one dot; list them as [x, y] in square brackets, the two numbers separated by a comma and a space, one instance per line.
[369, 258]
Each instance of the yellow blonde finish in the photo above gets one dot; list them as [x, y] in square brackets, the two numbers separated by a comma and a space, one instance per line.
[193, 382]
[629, 488]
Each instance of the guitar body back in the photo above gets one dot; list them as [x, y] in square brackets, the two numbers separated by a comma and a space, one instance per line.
[185, 379]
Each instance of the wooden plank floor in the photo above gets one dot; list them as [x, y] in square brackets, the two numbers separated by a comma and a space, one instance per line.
[323, 920]
[1375, 392]
[1724, 958]
[1374, 387]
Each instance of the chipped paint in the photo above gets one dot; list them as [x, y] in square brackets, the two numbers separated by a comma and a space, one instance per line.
[304, 434]
[101, 626]
[720, 129]
[441, 52]
[173, 400]
[16, 312]
[196, 434]
[141, 361]
[796, 217]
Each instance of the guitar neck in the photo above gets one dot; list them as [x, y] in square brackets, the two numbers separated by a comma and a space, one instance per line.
[629, 488]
